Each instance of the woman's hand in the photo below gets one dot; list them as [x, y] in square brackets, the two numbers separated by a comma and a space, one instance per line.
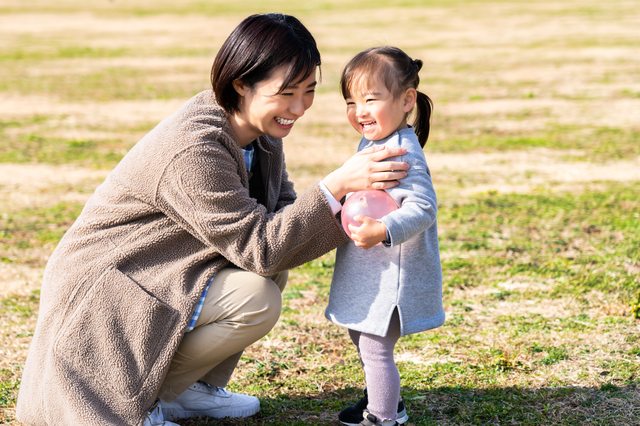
[366, 170]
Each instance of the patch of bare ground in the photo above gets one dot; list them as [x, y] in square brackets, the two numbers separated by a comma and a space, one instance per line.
[90, 114]
[494, 113]
[104, 31]
[31, 185]
[524, 171]
[20, 279]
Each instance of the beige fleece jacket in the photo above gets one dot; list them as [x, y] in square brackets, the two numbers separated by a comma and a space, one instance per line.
[122, 284]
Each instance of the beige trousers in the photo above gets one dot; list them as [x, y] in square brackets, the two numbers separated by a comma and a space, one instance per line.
[239, 309]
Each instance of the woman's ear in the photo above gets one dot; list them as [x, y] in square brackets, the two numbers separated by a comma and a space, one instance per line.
[410, 98]
[240, 86]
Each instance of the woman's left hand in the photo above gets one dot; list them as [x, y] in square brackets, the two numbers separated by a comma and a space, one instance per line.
[367, 170]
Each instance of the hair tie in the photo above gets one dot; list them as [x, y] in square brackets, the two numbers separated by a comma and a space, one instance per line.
[417, 63]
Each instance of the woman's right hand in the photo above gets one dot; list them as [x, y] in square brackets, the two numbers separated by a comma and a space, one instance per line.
[366, 170]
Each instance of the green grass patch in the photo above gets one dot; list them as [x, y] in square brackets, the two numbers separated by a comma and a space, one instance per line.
[23, 306]
[36, 227]
[599, 143]
[106, 84]
[9, 392]
[31, 49]
[32, 148]
[32, 140]
[582, 241]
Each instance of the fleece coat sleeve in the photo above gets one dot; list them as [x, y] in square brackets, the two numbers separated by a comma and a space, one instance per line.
[203, 200]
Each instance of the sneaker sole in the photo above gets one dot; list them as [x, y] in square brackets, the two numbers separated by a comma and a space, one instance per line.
[236, 412]
[402, 418]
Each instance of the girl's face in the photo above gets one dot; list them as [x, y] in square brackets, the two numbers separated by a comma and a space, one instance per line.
[264, 111]
[375, 113]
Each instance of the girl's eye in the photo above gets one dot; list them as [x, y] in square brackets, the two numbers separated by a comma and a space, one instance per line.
[370, 99]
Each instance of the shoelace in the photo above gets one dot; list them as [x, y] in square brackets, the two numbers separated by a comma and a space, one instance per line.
[214, 390]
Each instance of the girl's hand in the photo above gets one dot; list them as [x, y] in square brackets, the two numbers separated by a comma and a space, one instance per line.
[366, 170]
[369, 234]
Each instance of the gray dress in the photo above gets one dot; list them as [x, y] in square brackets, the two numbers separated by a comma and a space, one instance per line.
[368, 285]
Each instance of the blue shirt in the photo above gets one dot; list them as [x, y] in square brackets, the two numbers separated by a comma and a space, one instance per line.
[249, 160]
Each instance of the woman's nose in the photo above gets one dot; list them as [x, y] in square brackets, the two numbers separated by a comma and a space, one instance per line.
[297, 107]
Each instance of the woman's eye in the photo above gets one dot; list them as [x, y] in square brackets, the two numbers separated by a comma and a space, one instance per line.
[311, 91]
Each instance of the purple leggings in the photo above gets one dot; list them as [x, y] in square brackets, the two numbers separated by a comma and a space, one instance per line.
[380, 371]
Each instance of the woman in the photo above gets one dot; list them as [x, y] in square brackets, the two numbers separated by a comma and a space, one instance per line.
[195, 228]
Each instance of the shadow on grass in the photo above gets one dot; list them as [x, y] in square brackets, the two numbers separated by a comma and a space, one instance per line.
[456, 405]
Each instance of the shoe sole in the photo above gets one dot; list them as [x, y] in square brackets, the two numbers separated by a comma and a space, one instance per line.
[237, 412]
[402, 418]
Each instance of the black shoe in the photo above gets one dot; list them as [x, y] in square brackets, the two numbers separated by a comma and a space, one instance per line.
[371, 420]
[352, 416]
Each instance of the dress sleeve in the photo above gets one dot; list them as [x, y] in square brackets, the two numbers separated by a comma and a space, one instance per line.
[202, 190]
[415, 197]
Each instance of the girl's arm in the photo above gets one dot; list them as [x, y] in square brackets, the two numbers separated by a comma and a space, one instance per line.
[417, 201]
[416, 198]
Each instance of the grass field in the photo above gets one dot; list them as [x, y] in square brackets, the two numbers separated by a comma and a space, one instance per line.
[535, 154]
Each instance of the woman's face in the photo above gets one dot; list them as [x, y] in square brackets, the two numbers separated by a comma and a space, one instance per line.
[264, 111]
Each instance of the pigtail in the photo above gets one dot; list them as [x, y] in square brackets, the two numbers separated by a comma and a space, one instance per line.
[422, 118]
[424, 105]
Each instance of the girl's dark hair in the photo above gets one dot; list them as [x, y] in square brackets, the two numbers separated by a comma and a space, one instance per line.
[257, 46]
[398, 72]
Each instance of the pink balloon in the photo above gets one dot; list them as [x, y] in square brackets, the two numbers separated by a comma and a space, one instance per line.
[373, 203]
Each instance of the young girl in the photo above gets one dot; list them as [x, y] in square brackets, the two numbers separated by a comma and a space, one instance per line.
[390, 290]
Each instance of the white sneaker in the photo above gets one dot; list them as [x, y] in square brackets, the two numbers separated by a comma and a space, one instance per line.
[201, 399]
[155, 417]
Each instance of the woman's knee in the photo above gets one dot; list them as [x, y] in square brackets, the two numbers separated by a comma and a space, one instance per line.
[255, 298]
[266, 302]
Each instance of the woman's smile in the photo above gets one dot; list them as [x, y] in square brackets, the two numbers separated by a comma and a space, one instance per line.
[283, 122]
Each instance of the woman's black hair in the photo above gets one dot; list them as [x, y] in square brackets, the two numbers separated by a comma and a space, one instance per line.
[255, 48]
[398, 72]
